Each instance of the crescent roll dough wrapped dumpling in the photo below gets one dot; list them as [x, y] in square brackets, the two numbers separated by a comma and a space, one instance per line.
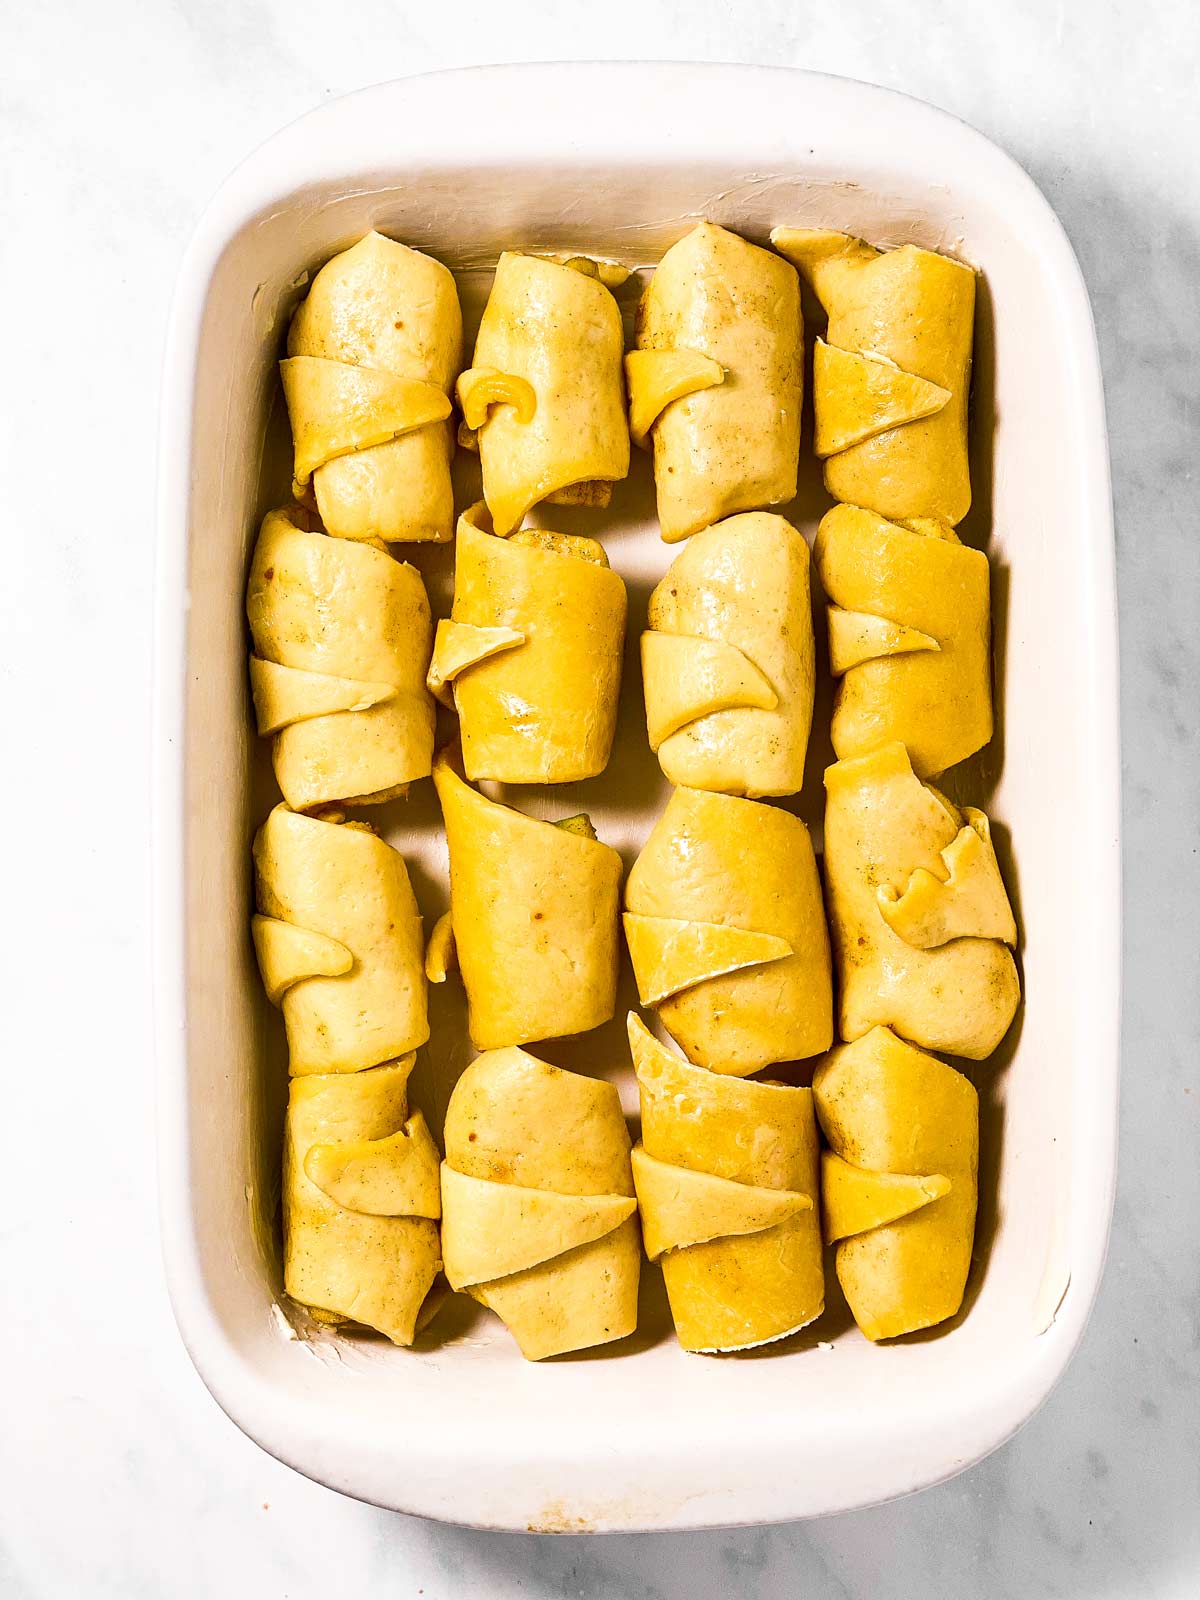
[727, 933]
[539, 1216]
[726, 1178]
[341, 643]
[919, 914]
[717, 379]
[372, 354]
[361, 1200]
[533, 907]
[531, 654]
[544, 395]
[339, 944]
[728, 661]
[909, 636]
[899, 1182]
[892, 375]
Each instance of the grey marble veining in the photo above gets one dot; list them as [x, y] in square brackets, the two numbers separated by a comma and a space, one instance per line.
[119, 1476]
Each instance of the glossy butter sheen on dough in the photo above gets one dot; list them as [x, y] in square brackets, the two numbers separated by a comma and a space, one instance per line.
[891, 379]
[731, 445]
[549, 349]
[727, 663]
[539, 1216]
[534, 910]
[386, 310]
[341, 644]
[920, 920]
[339, 943]
[716, 875]
[726, 1176]
[900, 1180]
[909, 635]
[532, 652]
[360, 1200]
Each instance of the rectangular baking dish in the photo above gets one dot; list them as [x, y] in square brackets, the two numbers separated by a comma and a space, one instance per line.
[620, 160]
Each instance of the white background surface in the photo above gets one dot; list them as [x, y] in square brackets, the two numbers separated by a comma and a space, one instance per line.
[118, 1476]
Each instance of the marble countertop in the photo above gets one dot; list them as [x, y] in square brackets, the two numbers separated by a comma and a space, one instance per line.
[118, 1475]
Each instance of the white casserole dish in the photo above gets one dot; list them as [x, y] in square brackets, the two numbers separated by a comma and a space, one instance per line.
[620, 160]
